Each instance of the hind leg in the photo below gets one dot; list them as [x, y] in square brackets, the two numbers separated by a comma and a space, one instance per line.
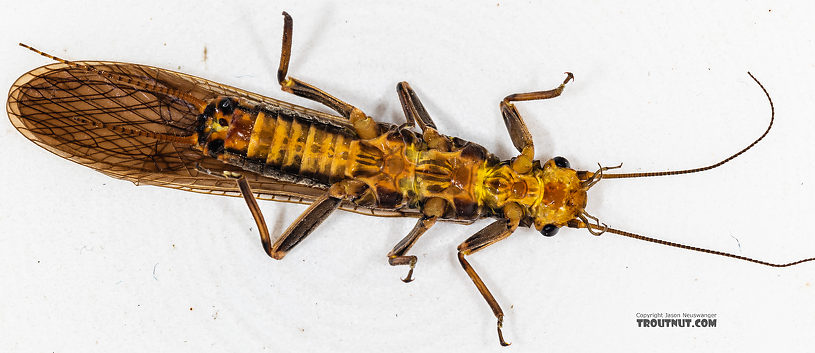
[365, 126]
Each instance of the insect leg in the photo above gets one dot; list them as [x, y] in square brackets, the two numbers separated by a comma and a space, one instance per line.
[246, 191]
[491, 234]
[249, 197]
[415, 113]
[518, 131]
[365, 126]
[432, 210]
[315, 214]
[413, 108]
[397, 257]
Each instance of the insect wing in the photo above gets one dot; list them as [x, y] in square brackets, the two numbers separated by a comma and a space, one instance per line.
[62, 108]
[53, 107]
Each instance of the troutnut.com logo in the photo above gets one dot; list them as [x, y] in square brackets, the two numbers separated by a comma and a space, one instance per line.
[676, 320]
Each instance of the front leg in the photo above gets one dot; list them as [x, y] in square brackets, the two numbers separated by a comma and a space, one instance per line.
[493, 233]
[518, 131]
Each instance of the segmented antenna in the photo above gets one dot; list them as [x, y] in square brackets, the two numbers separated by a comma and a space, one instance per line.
[695, 170]
[580, 224]
[575, 223]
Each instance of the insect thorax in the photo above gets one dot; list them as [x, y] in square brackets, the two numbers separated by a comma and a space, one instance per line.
[548, 194]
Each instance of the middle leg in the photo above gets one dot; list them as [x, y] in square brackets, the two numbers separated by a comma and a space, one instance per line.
[432, 210]
[415, 113]
[413, 108]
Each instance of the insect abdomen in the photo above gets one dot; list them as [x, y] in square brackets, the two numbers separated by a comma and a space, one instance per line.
[286, 147]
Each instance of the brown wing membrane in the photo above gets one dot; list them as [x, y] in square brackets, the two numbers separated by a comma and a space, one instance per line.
[52, 105]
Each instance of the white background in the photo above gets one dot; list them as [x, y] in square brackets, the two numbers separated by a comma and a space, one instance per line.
[92, 264]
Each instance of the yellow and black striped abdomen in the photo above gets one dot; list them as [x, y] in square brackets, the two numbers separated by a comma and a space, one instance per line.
[276, 144]
[295, 146]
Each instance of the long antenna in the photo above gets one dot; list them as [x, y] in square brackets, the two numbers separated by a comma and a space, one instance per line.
[695, 170]
[579, 224]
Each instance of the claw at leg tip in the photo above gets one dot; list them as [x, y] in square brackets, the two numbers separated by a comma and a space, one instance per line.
[409, 277]
[569, 77]
[501, 338]
[501, 334]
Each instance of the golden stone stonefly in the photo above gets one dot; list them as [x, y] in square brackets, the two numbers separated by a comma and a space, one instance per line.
[159, 127]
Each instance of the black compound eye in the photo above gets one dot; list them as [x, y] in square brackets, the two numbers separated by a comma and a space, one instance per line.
[549, 230]
[226, 106]
[561, 162]
[222, 122]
